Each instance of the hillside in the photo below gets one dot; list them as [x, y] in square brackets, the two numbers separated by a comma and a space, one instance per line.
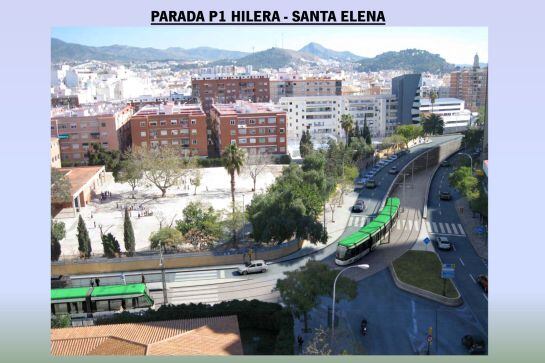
[415, 60]
[273, 58]
[322, 52]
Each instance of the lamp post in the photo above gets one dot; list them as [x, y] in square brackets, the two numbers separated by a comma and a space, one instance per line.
[163, 278]
[470, 159]
[364, 267]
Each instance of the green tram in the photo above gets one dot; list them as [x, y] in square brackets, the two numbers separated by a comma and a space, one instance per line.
[81, 302]
[357, 245]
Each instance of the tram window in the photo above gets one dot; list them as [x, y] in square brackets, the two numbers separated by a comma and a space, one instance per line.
[115, 304]
[128, 304]
[74, 308]
[102, 305]
[53, 309]
[142, 301]
[61, 308]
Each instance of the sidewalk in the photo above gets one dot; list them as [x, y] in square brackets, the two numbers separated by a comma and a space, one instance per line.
[479, 242]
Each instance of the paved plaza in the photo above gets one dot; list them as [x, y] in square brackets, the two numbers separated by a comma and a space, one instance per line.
[214, 190]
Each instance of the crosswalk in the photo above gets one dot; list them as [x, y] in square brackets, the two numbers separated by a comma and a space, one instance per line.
[454, 229]
[407, 224]
[357, 220]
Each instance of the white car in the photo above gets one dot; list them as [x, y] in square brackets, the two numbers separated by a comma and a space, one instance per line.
[443, 243]
[253, 267]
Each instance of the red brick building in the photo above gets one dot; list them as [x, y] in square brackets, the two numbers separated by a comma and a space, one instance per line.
[181, 126]
[229, 89]
[257, 127]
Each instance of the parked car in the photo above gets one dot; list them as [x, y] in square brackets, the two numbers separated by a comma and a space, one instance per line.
[371, 183]
[359, 183]
[474, 344]
[376, 169]
[445, 163]
[393, 170]
[359, 206]
[443, 243]
[393, 157]
[483, 281]
[369, 175]
[445, 196]
[253, 267]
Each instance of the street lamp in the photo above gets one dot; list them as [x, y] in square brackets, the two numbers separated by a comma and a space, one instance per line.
[470, 158]
[363, 267]
[163, 278]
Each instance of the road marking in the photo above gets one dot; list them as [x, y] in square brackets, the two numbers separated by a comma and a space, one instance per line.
[453, 248]
[222, 274]
[461, 261]
[455, 231]
[472, 278]
[441, 228]
[410, 222]
[428, 225]
[434, 227]
[485, 296]
[447, 228]
[413, 308]
[461, 229]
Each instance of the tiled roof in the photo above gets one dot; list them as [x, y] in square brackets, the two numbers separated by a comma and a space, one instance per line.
[202, 336]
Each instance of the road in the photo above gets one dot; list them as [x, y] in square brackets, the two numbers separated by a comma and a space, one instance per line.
[443, 220]
[219, 283]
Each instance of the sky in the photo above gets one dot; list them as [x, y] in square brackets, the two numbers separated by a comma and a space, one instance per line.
[457, 45]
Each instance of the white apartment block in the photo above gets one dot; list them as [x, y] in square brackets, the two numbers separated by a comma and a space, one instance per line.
[452, 110]
[322, 115]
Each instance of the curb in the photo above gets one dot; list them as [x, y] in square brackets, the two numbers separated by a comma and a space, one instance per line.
[457, 301]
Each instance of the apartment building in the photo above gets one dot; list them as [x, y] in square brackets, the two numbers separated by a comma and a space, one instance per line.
[256, 127]
[455, 116]
[182, 126]
[321, 115]
[470, 85]
[55, 152]
[304, 87]
[228, 89]
[406, 88]
[77, 128]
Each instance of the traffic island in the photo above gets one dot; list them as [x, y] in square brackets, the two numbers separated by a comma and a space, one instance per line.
[419, 272]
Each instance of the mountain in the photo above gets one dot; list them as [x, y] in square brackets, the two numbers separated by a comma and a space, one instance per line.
[325, 53]
[415, 60]
[63, 51]
[273, 58]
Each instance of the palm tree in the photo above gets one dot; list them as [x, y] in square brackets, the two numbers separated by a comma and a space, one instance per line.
[433, 97]
[233, 159]
[433, 124]
[347, 124]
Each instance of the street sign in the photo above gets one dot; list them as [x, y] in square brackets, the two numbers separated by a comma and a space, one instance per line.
[447, 271]
[426, 240]
[479, 229]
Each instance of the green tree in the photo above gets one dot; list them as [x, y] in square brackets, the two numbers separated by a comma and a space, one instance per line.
[84, 242]
[433, 124]
[233, 159]
[301, 289]
[111, 159]
[61, 321]
[196, 180]
[60, 187]
[314, 161]
[201, 218]
[305, 145]
[58, 232]
[395, 141]
[410, 132]
[361, 150]
[166, 237]
[463, 180]
[473, 137]
[347, 124]
[131, 170]
[128, 234]
[110, 245]
[164, 166]
[366, 133]
[234, 221]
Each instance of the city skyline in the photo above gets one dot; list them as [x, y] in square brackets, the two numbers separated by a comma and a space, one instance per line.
[456, 45]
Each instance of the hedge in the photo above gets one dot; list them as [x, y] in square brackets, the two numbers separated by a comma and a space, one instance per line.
[253, 314]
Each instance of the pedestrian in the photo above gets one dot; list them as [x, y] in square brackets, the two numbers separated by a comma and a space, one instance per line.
[95, 224]
[138, 215]
[97, 282]
[143, 279]
[123, 278]
[92, 283]
[300, 342]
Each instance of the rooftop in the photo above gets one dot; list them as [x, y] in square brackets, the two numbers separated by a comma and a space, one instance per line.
[95, 109]
[442, 101]
[80, 176]
[245, 107]
[170, 109]
[201, 336]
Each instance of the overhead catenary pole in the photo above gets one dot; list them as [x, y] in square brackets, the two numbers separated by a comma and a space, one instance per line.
[163, 277]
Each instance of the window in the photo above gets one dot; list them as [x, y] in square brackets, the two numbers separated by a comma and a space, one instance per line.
[271, 139]
[105, 134]
[143, 133]
[233, 142]
[233, 132]
[84, 136]
[281, 120]
[164, 132]
[103, 124]
[173, 122]
[251, 122]
[174, 132]
[231, 122]
[261, 140]
[261, 130]
[153, 123]
[194, 132]
[271, 120]
[142, 123]
[261, 120]
[76, 156]
[185, 142]
[252, 141]
[194, 141]
[163, 122]
[115, 304]
[272, 131]
[153, 133]
[143, 144]
[102, 305]
[242, 141]
[175, 142]
[252, 131]
[164, 142]
[242, 131]
[282, 139]
[281, 131]
[193, 122]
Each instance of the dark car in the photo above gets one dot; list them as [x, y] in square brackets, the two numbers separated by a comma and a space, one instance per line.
[393, 170]
[483, 281]
[445, 163]
[358, 207]
[59, 281]
[474, 344]
[370, 184]
[445, 196]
